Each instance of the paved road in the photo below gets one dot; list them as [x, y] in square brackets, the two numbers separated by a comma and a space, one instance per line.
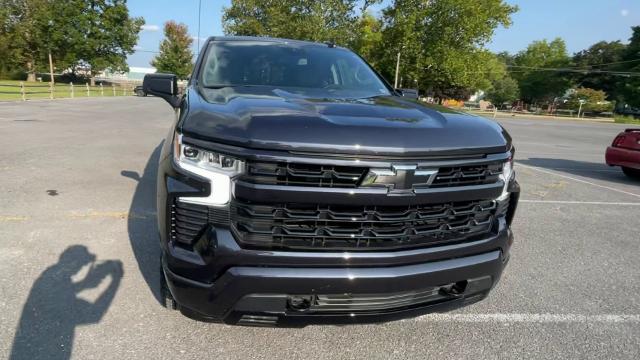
[76, 197]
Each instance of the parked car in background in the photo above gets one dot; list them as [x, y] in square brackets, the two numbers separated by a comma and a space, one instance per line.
[139, 91]
[410, 93]
[625, 152]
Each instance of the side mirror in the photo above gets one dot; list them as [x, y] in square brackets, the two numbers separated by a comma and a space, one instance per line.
[164, 86]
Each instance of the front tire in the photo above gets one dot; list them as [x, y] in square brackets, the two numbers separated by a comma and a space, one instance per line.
[632, 173]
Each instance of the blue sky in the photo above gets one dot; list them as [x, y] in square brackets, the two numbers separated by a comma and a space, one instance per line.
[580, 22]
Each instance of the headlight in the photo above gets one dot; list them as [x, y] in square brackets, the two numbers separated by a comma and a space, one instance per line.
[217, 168]
[507, 174]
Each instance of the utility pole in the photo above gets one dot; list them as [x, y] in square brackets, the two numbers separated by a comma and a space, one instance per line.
[50, 60]
[199, 9]
[580, 107]
[395, 84]
[51, 69]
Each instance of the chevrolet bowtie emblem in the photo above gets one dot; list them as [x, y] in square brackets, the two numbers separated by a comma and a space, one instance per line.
[400, 179]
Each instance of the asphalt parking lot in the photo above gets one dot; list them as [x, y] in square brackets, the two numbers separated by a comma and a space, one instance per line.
[78, 185]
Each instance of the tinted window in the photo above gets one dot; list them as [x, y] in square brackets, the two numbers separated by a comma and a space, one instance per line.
[298, 68]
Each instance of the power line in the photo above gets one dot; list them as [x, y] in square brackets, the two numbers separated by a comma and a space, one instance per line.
[584, 67]
[573, 70]
[147, 51]
[612, 63]
[612, 73]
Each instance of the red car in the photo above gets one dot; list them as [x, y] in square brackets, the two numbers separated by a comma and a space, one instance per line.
[625, 152]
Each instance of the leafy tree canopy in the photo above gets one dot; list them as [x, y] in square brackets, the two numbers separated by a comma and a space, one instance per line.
[503, 90]
[368, 38]
[328, 20]
[96, 34]
[629, 88]
[600, 56]
[536, 84]
[593, 100]
[110, 35]
[175, 51]
[24, 32]
[441, 41]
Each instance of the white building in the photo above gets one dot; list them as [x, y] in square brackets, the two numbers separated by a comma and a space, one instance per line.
[135, 74]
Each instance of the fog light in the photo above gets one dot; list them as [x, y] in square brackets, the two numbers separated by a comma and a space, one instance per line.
[299, 302]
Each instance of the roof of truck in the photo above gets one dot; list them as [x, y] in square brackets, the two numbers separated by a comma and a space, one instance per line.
[269, 39]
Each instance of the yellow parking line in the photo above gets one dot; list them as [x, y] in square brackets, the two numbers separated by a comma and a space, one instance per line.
[8, 218]
[109, 214]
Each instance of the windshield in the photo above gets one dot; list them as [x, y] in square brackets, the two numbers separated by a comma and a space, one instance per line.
[304, 69]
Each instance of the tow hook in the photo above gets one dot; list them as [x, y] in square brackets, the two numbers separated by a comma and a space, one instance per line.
[455, 290]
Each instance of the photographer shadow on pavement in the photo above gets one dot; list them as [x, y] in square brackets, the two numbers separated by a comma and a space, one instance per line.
[54, 309]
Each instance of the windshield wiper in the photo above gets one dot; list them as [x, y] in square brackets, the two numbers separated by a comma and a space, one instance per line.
[371, 97]
[222, 86]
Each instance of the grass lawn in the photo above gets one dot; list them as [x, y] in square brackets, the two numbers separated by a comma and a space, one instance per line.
[10, 90]
[626, 120]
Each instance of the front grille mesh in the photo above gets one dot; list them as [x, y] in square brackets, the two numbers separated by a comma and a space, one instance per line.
[318, 227]
[356, 302]
[304, 175]
[467, 175]
[189, 221]
[294, 174]
[330, 227]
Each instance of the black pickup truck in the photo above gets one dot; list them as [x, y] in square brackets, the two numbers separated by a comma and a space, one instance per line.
[298, 187]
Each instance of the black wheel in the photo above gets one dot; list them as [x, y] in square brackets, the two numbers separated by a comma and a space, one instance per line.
[140, 93]
[165, 294]
[632, 173]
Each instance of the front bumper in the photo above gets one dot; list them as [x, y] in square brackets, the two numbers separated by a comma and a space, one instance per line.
[248, 294]
[258, 295]
[222, 281]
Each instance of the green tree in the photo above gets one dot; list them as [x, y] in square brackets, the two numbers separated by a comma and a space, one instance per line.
[328, 20]
[175, 51]
[24, 37]
[441, 42]
[492, 69]
[600, 56]
[94, 34]
[6, 60]
[593, 100]
[536, 83]
[629, 88]
[110, 35]
[368, 38]
[503, 90]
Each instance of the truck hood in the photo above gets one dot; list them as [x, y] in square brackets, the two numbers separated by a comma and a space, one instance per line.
[265, 118]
